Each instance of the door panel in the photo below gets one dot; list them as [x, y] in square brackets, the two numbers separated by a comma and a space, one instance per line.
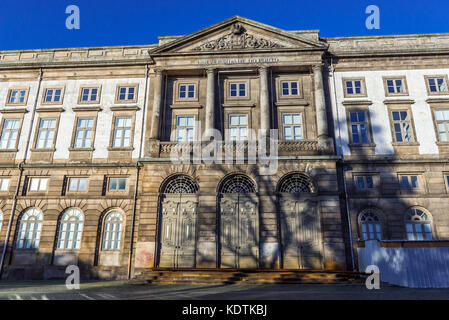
[178, 232]
[300, 234]
[239, 232]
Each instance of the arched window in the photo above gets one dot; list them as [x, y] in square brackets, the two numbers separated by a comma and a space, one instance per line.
[112, 231]
[30, 229]
[180, 184]
[237, 183]
[370, 225]
[296, 183]
[70, 229]
[418, 225]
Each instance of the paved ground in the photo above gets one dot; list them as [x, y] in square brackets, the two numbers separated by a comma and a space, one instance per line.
[56, 290]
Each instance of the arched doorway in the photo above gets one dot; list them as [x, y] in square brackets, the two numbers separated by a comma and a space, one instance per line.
[300, 227]
[239, 223]
[178, 222]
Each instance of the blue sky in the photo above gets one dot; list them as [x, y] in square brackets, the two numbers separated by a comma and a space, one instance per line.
[32, 24]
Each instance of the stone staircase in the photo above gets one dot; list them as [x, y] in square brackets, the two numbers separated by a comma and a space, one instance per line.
[241, 276]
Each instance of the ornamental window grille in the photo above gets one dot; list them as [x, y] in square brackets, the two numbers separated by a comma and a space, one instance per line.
[238, 183]
[296, 183]
[181, 184]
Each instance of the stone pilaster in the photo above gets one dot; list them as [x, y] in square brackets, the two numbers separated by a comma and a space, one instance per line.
[210, 103]
[157, 104]
[264, 100]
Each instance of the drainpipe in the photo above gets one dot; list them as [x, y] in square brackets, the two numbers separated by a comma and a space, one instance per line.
[142, 134]
[340, 148]
[20, 166]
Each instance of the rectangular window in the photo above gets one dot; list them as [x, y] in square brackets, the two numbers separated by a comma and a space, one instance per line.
[365, 182]
[126, 93]
[409, 182]
[90, 94]
[289, 88]
[237, 89]
[292, 126]
[238, 127]
[354, 87]
[52, 95]
[395, 86]
[46, 133]
[77, 184]
[84, 133]
[38, 184]
[117, 184]
[4, 183]
[9, 133]
[359, 126]
[402, 126]
[122, 132]
[17, 96]
[442, 120]
[186, 91]
[437, 84]
[185, 128]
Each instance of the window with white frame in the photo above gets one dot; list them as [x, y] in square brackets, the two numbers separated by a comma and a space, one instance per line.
[359, 127]
[442, 120]
[409, 182]
[77, 184]
[364, 182]
[53, 95]
[38, 184]
[46, 133]
[237, 89]
[292, 126]
[17, 96]
[112, 231]
[370, 226]
[418, 225]
[126, 93]
[122, 132]
[186, 91]
[4, 184]
[238, 127]
[70, 229]
[402, 126]
[185, 128]
[117, 184]
[354, 87]
[89, 94]
[437, 84]
[84, 133]
[395, 86]
[30, 228]
[9, 133]
[289, 88]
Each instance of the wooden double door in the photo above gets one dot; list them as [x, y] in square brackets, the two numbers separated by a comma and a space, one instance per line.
[300, 233]
[239, 231]
[178, 231]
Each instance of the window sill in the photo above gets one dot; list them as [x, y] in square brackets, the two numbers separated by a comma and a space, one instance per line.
[238, 104]
[297, 101]
[356, 102]
[124, 108]
[43, 149]
[399, 101]
[9, 150]
[86, 108]
[120, 149]
[362, 145]
[404, 144]
[50, 109]
[186, 105]
[15, 110]
[81, 149]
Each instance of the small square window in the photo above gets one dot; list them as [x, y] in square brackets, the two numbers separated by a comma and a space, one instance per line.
[237, 90]
[38, 184]
[53, 95]
[4, 184]
[187, 91]
[126, 93]
[365, 182]
[289, 88]
[409, 182]
[437, 85]
[77, 184]
[90, 95]
[117, 184]
[395, 86]
[17, 96]
[354, 87]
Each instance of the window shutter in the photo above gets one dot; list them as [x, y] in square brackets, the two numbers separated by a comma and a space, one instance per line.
[64, 186]
[105, 183]
[25, 186]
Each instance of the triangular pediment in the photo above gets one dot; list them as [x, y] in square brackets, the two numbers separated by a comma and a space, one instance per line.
[237, 34]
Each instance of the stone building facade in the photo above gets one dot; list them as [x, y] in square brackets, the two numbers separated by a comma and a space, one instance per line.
[107, 160]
